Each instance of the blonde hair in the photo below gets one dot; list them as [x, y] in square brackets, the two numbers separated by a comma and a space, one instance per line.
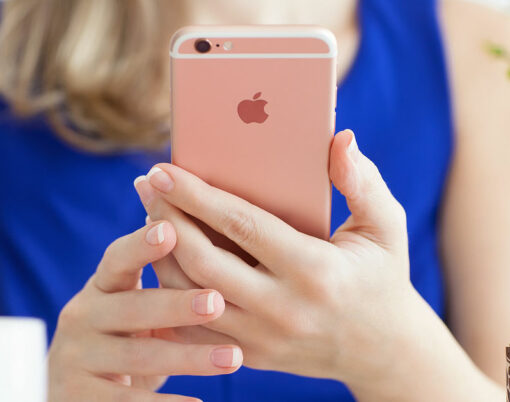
[97, 68]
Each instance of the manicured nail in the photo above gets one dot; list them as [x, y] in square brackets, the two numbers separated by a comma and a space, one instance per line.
[160, 179]
[203, 304]
[353, 145]
[146, 193]
[153, 171]
[227, 357]
[138, 180]
[148, 220]
[156, 234]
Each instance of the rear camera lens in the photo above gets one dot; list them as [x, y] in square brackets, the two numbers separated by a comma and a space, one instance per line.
[202, 45]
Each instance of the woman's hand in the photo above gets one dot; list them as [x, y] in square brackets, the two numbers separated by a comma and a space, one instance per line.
[115, 341]
[343, 309]
[310, 307]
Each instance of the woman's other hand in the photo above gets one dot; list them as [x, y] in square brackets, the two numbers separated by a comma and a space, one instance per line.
[115, 341]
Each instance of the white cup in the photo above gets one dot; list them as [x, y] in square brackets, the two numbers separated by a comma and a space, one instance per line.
[23, 373]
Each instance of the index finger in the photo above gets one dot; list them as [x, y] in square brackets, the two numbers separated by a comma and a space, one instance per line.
[123, 261]
[270, 240]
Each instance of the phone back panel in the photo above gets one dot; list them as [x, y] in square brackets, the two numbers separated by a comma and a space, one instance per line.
[258, 120]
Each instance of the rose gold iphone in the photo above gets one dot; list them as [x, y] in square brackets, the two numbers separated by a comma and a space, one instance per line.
[253, 113]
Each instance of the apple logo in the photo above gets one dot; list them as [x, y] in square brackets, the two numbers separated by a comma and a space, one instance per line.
[252, 111]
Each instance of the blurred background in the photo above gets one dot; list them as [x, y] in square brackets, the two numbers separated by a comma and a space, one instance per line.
[503, 4]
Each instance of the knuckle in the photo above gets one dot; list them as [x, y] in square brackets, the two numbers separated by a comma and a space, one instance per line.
[322, 283]
[400, 212]
[291, 321]
[258, 354]
[240, 226]
[373, 176]
[112, 248]
[109, 256]
[291, 326]
[373, 183]
[298, 326]
[73, 313]
[319, 285]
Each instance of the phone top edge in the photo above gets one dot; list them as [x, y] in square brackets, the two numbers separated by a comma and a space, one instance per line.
[254, 31]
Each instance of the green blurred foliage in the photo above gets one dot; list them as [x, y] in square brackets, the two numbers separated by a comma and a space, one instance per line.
[499, 52]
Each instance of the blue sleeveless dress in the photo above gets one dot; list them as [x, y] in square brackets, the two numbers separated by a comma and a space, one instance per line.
[60, 208]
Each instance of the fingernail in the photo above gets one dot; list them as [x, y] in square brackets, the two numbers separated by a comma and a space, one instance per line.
[353, 145]
[156, 234]
[203, 304]
[153, 171]
[148, 220]
[138, 180]
[160, 179]
[146, 193]
[227, 357]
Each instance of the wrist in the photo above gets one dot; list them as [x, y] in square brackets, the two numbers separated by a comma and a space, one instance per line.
[392, 361]
[427, 364]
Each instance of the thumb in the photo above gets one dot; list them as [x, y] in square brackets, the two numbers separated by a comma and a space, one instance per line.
[376, 214]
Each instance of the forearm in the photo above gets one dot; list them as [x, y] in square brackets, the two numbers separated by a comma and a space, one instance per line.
[431, 366]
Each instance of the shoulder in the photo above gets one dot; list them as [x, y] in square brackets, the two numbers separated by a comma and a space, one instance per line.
[469, 27]
[483, 19]
[480, 81]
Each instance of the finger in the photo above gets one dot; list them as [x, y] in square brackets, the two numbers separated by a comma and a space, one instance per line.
[237, 323]
[100, 389]
[267, 238]
[210, 266]
[171, 275]
[123, 261]
[167, 269]
[205, 264]
[141, 310]
[155, 357]
[375, 212]
[196, 334]
[249, 326]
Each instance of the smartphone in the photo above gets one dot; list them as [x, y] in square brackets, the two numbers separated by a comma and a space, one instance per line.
[253, 113]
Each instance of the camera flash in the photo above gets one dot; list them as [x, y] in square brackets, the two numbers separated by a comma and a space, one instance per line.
[227, 45]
